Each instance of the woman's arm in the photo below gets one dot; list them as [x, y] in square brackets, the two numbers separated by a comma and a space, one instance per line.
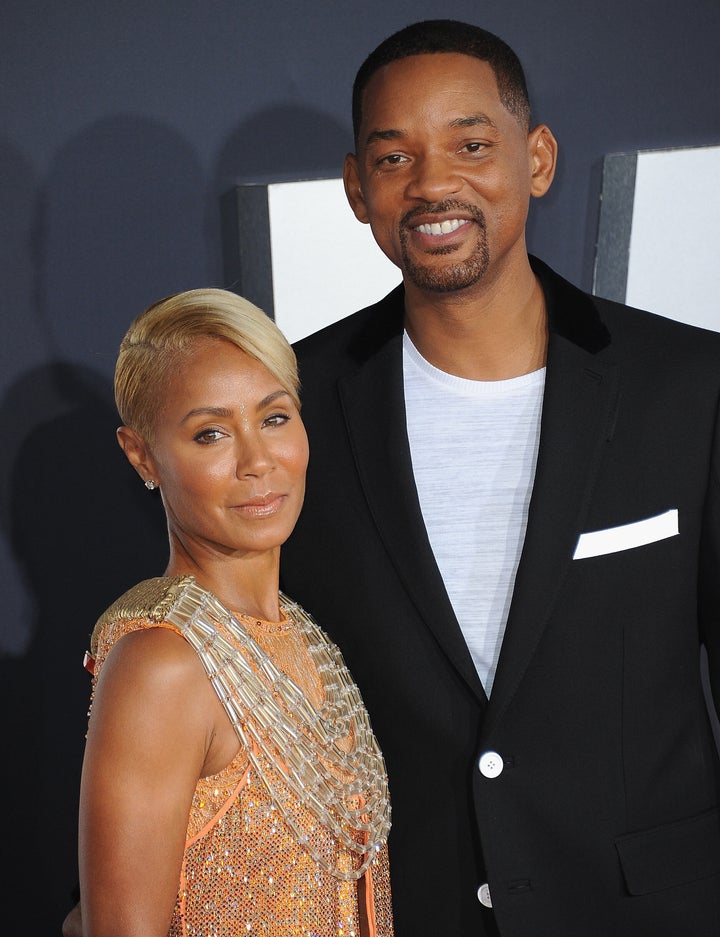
[151, 728]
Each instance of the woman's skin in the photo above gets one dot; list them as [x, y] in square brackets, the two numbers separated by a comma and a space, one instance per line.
[229, 453]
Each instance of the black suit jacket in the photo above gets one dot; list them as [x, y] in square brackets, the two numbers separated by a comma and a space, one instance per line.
[604, 820]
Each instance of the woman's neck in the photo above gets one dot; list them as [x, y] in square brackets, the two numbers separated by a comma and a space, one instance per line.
[247, 583]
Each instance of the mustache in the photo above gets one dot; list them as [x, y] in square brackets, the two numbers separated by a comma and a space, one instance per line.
[439, 208]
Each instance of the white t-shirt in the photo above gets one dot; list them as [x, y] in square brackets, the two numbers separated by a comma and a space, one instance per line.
[474, 450]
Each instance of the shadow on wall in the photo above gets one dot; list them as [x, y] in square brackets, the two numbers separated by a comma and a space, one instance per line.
[285, 143]
[282, 144]
[120, 225]
[82, 529]
[116, 224]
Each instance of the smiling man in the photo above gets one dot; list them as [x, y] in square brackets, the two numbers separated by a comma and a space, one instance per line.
[443, 174]
[512, 528]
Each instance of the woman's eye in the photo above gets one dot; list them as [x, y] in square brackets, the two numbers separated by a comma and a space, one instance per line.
[277, 419]
[207, 436]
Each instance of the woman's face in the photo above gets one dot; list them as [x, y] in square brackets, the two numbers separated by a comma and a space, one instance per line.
[230, 453]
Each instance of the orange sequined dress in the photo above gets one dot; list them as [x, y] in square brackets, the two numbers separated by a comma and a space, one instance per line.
[289, 840]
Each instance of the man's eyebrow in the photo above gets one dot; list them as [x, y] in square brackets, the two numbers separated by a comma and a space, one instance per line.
[474, 120]
[378, 135]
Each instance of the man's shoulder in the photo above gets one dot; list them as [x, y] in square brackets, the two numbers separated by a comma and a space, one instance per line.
[598, 322]
[355, 336]
[651, 330]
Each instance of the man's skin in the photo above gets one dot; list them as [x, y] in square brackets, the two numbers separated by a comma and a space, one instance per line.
[437, 145]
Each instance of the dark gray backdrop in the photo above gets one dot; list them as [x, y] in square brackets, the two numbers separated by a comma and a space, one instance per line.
[121, 127]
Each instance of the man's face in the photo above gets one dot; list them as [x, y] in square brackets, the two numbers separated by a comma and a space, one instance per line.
[443, 172]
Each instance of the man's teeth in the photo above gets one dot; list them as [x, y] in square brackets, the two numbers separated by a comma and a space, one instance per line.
[442, 227]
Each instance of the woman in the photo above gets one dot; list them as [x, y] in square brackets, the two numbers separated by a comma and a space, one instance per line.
[231, 782]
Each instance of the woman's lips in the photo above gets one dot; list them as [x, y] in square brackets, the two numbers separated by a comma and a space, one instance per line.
[261, 506]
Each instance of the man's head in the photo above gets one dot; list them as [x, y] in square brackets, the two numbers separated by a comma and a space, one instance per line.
[433, 36]
[446, 162]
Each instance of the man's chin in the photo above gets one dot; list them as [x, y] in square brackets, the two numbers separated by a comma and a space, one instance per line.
[445, 280]
[444, 276]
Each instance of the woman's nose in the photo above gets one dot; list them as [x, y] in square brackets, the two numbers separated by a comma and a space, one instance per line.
[253, 457]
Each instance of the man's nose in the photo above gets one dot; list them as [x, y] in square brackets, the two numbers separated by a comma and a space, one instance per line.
[433, 178]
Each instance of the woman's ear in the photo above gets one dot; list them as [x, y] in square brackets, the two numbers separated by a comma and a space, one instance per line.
[138, 455]
[543, 150]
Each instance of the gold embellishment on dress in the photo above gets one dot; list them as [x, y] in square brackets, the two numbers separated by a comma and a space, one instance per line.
[259, 624]
[151, 599]
[345, 790]
[325, 756]
[287, 646]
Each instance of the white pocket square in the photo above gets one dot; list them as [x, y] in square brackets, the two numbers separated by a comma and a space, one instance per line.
[627, 536]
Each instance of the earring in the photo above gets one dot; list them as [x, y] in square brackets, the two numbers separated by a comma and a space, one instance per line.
[150, 485]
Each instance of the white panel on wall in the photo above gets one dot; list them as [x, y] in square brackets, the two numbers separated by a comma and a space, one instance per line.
[296, 250]
[675, 239]
[658, 239]
[325, 263]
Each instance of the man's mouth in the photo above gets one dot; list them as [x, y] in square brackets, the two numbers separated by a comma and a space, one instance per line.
[441, 227]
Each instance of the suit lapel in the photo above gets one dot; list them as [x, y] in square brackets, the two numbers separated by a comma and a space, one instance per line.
[579, 405]
[374, 407]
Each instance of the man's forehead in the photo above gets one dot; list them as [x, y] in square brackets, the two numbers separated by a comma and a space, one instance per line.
[426, 76]
[442, 68]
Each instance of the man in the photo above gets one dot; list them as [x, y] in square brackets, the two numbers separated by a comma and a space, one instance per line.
[512, 528]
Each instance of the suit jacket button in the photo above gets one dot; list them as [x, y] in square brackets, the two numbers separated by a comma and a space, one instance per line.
[483, 894]
[490, 764]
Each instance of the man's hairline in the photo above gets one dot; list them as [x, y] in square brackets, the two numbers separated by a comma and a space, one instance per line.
[526, 125]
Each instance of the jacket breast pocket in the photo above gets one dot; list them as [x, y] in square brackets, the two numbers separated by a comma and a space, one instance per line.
[672, 854]
[627, 536]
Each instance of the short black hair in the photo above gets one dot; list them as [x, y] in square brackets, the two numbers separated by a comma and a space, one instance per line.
[429, 36]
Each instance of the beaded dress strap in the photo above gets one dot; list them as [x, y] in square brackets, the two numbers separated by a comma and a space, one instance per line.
[292, 745]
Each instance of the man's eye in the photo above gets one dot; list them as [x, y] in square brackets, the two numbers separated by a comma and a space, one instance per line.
[392, 159]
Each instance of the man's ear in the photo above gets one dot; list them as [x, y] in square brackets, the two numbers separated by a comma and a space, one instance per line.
[353, 189]
[138, 454]
[543, 151]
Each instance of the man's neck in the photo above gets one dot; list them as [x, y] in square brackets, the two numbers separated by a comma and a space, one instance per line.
[490, 334]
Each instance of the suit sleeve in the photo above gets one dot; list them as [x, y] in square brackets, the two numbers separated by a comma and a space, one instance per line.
[709, 570]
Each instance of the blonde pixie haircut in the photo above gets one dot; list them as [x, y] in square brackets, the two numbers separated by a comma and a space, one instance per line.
[168, 330]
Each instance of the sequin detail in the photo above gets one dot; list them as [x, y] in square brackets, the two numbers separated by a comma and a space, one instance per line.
[265, 855]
